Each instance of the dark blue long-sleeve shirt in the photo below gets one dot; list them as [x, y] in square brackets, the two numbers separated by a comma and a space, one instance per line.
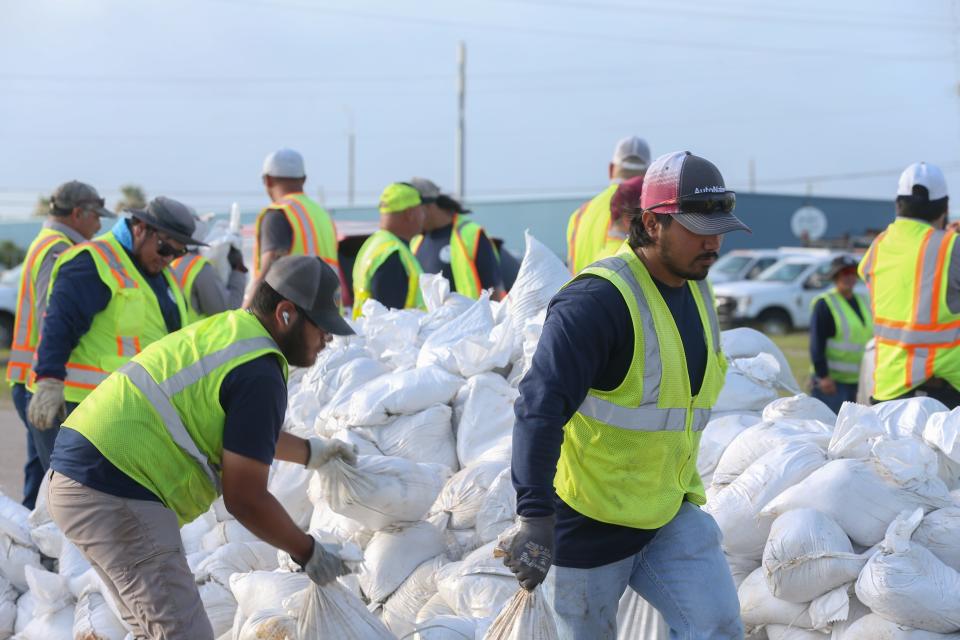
[390, 283]
[434, 256]
[587, 342]
[822, 328]
[77, 296]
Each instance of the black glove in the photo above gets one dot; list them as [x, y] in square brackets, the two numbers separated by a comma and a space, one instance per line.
[235, 258]
[529, 550]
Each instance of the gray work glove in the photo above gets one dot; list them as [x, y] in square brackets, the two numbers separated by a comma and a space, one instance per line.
[322, 450]
[47, 408]
[527, 549]
[324, 565]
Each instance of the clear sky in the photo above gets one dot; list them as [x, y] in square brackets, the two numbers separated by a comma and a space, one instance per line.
[185, 97]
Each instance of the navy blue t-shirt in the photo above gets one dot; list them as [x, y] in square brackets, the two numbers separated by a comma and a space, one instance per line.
[587, 342]
[253, 397]
[389, 283]
[822, 328]
[434, 257]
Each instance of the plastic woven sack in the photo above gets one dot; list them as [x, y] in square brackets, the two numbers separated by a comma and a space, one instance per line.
[527, 617]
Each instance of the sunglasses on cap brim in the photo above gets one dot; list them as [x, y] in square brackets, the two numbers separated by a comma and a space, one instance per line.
[710, 202]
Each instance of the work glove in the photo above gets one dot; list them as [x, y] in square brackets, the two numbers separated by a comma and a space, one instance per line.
[47, 408]
[324, 564]
[322, 450]
[527, 549]
[235, 258]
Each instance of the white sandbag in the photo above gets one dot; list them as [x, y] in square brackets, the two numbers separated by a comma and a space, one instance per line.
[40, 514]
[483, 416]
[716, 437]
[400, 610]
[735, 508]
[224, 533]
[741, 567]
[340, 384]
[942, 432]
[637, 618]
[529, 337]
[265, 589]
[49, 626]
[906, 418]
[831, 607]
[855, 495]
[288, 483]
[742, 393]
[855, 611]
[540, 276]
[807, 555]
[856, 429]
[360, 439]
[906, 583]
[236, 557]
[939, 533]
[426, 436]
[464, 493]
[269, 624]
[48, 539]
[380, 490]
[874, 627]
[479, 585]
[72, 563]
[331, 611]
[526, 617]
[220, 606]
[8, 608]
[435, 606]
[53, 606]
[94, 620]
[347, 529]
[392, 556]
[476, 322]
[798, 407]
[744, 342]
[760, 607]
[14, 559]
[480, 353]
[757, 440]
[447, 628]
[498, 510]
[25, 606]
[191, 534]
[401, 393]
[784, 632]
[14, 521]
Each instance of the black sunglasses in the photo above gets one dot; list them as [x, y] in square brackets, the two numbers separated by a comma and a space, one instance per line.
[709, 202]
[167, 250]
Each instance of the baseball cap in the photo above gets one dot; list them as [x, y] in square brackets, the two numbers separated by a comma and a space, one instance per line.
[626, 198]
[284, 163]
[921, 174]
[632, 153]
[399, 197]
[312, 285]
[171, 217]
[840, 264]
[690, 189]
[77, 194]
[429, 191]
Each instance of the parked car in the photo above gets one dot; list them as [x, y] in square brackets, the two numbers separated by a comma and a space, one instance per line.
[743, 264]
[779, 299]
[9, 280]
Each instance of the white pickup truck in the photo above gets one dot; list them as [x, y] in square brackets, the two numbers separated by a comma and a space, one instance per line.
[779, 299]
[9, 280]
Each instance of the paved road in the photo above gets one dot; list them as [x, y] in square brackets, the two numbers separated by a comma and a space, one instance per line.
[12, 452]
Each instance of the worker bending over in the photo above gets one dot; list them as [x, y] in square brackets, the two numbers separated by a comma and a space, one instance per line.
[196, 415]
[609, 420]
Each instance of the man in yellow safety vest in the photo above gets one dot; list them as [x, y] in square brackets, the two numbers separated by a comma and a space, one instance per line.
[75, 212]
[840, 328]
[911, 271]
[293, 224]
[195, 415]
[609, 420]
[385, 269]
[454, 245]
[109, 298]
[589, 226]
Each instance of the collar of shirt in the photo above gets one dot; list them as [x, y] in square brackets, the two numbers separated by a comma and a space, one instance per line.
[67, 230]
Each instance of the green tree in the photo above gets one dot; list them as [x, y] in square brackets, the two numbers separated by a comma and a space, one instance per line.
[132, 197]
[42, 207]
[10, 254]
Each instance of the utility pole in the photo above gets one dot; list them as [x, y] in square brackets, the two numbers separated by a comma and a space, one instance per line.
[752, 179]
[461, 149]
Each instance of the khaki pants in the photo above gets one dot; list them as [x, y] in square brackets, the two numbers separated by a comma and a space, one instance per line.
[135, 546]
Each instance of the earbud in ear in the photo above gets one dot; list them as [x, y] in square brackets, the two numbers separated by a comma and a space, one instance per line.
[286, 317]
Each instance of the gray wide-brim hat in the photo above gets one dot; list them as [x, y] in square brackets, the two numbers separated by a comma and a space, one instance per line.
[171, 217]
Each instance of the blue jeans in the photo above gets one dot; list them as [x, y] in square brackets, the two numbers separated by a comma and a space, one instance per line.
[846, 392]
[682, 572]
[32, 470]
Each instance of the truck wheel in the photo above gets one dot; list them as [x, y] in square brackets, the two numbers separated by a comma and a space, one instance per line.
[775, 322]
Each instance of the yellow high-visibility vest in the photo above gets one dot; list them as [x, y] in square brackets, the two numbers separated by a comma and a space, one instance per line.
[314, 233]
[587, 230]
[185, 271]
[464, 242]
[373, 253]
[846, 347]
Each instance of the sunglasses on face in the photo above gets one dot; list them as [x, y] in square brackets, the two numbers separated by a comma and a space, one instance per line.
[702, 203]
[167, 250]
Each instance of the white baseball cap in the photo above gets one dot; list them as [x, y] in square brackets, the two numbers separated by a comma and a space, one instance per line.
[632, 153]
[921, 174]
[284, 163]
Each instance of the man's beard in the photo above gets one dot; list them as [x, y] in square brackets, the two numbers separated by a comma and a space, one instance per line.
[693, 271]
[294, 347]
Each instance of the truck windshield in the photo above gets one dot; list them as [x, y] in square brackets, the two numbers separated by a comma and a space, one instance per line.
[731, 265]
[784, 272]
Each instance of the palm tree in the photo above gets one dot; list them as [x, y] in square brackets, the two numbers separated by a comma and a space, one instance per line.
[132, 197]
[42, 208]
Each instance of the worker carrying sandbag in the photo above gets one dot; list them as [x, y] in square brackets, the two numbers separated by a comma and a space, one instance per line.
[609, 420]
[196, 415]
[909, 270]
[840, 328]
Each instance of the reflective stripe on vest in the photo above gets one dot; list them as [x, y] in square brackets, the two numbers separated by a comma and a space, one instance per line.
[844, 350]
[26, 325]
[310, 230]
[373, 253]
[181, 269]
[463, 256]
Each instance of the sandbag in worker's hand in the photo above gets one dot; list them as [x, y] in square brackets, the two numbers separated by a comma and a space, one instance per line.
[527, 549]
[323, 450]
[325, 563]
